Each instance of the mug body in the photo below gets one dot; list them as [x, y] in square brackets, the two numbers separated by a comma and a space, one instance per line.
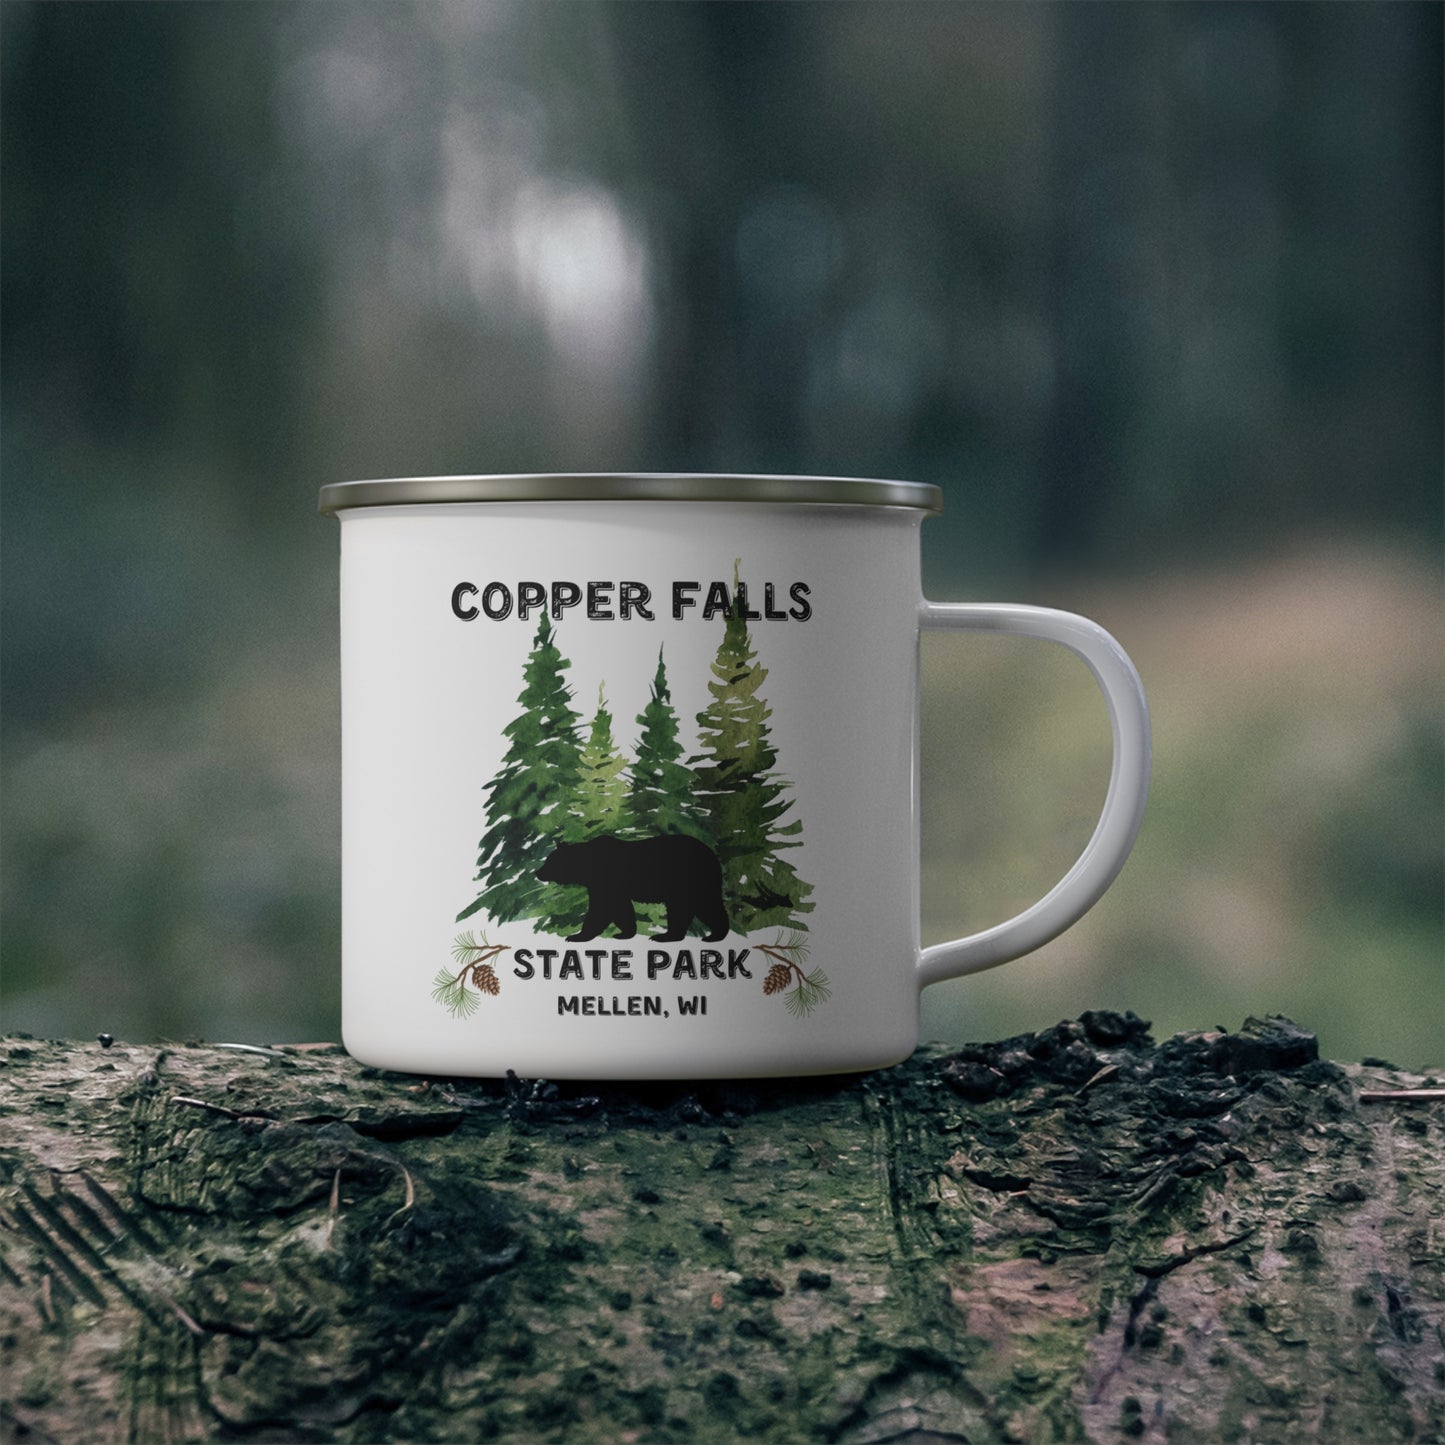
[630, 786]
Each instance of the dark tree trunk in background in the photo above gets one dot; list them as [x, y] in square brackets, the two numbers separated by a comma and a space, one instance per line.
[1075, 1235]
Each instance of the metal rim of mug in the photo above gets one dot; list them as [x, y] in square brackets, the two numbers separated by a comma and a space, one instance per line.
[630, 487]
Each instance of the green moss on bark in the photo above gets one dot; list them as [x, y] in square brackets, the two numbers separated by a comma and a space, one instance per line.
[1073, 1235]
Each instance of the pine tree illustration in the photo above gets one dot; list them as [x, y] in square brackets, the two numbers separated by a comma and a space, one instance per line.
[660, 796]
[529, 801]
[660, 793]
[740, 792]
[600, 804]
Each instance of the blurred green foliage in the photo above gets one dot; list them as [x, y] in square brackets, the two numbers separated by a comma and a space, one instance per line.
[1291, 854]
[1152, 291]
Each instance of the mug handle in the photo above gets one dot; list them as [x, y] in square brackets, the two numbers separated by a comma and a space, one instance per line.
[1099, 864]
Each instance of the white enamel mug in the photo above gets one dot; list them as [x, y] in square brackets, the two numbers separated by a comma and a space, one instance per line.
[630, 775]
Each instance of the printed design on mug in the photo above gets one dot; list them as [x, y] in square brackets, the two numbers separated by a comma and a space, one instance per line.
[587, 841]
[460, 993]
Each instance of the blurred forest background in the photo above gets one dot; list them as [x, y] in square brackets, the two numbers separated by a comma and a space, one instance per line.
[1153, 292]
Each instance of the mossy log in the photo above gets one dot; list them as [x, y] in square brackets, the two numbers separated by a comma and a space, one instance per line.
[1072, 1235]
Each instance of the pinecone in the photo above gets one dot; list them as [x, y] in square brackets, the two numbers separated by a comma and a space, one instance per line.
[779, 976]
[484, 976]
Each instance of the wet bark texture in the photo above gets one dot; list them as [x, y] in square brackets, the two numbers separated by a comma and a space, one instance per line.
[1073, 1235]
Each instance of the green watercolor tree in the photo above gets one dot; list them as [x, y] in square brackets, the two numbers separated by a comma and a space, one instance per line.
[596, 806]
[600, 801]
[531, 799]
[740, 793]
[660, 783]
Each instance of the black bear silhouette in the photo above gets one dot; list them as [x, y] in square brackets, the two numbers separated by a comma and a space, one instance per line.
[674, 869]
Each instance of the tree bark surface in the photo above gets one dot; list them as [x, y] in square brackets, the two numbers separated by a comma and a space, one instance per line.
[1067, 1236]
